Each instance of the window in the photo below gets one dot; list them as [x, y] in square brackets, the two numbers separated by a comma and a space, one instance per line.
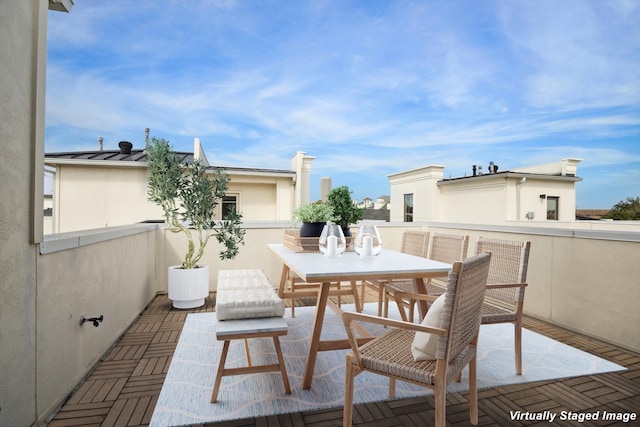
[408, 208]
[229, 205]
[552, 207]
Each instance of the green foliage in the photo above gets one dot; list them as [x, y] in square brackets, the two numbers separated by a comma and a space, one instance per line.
[313, 212]
[344, 210]
[188, 198]
[628, 210]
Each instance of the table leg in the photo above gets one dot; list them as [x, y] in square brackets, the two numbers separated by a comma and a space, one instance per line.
[356, 300]
[321, 305]
[284, 276]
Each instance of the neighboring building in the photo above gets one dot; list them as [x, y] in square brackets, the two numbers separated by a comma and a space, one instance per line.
[375, 211]
[382, 202]
[325, 188]
[590, 214]
[366, 203]
[536, 193]
[109, 188]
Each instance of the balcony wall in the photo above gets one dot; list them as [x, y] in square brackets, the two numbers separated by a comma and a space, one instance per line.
[254, 253]
[105, 272]
[583, 280]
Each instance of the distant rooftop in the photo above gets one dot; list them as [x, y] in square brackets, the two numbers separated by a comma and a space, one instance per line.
[565, 169]
[139, 157]
[512, 173]
[111, 155]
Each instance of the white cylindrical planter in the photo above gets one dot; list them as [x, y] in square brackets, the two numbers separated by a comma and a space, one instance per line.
[188, 288]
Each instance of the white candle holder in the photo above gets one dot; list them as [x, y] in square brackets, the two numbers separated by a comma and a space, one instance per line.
[332, 242]
[368, 243]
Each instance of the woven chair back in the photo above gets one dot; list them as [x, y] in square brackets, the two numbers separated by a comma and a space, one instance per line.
[509, 262]
[466, 285]
[415, 242]
[448, 248]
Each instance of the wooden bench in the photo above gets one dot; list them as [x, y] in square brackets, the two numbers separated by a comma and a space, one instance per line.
[249, 308]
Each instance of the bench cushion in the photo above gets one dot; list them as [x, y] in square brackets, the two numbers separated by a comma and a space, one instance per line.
[245, 294]
[248, 303]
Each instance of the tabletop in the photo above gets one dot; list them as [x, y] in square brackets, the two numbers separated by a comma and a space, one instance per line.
[389, 264]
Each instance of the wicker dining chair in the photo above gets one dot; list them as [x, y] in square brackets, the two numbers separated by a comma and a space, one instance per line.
[414, 242]
[504, 300]
[455, 332]
[444, 247]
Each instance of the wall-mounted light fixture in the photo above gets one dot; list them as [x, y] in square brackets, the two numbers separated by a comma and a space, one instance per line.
[543, 196]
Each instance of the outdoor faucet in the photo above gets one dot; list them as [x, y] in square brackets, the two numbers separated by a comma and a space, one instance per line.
[95, 320]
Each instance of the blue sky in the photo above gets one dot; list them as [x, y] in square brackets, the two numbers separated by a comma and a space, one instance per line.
[368, 87]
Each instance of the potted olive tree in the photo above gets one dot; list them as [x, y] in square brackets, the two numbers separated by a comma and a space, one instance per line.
[313, 217]
[188, 196]
[345, 212]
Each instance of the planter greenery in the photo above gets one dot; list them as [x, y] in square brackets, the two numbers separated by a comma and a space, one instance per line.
[189, 197]
[313, 212]
[345, 212]
[313, 217]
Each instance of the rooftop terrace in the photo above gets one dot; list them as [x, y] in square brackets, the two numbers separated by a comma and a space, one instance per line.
[583, 291]
[124, 386]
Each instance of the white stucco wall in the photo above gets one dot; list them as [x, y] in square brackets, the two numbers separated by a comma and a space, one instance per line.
[426, 196]
[93, 197]
[114, 278]
[19, 32]
[530, 200]
[263, 198]
[486, 199]
[254, 254]
[480, 201]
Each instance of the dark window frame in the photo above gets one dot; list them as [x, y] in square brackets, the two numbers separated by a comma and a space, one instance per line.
[229, 203]
[407, 211]
[553, 213]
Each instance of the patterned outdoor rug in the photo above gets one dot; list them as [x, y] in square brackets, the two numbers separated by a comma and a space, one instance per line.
[186, 393]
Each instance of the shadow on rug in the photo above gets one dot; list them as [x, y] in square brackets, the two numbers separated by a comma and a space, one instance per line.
[186, 392]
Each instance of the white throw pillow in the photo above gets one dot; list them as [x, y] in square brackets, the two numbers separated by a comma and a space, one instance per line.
[425, 344]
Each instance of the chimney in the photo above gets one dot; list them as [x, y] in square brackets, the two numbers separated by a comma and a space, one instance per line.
[100, 143]
[125, 147]
[146, 138]
[325, 188]
[474, 170]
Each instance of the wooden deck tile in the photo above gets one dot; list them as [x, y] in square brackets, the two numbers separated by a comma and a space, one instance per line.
[123, 388]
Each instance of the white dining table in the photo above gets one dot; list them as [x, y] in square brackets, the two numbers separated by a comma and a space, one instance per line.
[349, 267]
